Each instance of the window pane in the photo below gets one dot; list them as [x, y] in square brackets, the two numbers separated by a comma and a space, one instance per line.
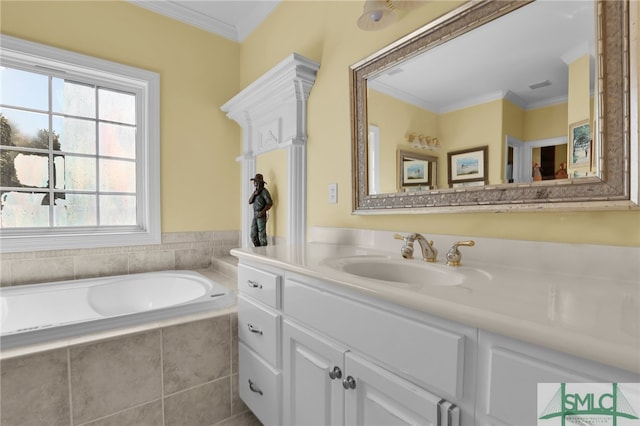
[117, 176]
[116, 106]
[117, 210]
[32, 170]
[24, 209]
[77, 136]
[73, 98]
[117, 140]
[20, 169]
[75, 210]
[24, 89]
[8, 169]
[79, 173]
[25, 129]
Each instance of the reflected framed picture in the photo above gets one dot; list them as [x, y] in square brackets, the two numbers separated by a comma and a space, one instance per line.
[415, 169]
[468, 165]
[580, 151]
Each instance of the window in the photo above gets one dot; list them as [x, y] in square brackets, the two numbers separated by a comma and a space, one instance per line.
[79, 150]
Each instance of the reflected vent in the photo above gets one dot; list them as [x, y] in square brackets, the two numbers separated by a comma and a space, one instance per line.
[539, 85]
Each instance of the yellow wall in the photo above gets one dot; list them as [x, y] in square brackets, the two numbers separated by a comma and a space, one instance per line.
[579, 95]
[472, 127]
[332, 38]
[546, 122]
[200, 179]
[396, 119]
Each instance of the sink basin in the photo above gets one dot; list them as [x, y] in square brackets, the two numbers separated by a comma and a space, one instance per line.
[405, 271]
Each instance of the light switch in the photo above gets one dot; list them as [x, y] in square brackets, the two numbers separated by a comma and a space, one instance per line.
[333, 193]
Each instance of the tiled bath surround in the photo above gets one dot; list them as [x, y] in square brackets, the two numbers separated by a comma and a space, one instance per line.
[182, 375]
[179, 374]
[179, 250]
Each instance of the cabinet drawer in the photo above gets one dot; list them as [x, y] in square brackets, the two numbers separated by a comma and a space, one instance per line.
[259, 328]
[431, 355]
[259, 284]
[259, 386]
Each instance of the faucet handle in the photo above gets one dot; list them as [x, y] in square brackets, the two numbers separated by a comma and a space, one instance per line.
[454, 256]
[407, 247]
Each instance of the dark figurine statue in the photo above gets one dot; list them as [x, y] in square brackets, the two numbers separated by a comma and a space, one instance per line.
[261, 200]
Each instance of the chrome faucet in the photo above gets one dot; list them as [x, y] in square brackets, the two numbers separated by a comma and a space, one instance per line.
[429, 253]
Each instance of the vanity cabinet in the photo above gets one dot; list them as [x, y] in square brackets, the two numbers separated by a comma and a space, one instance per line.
[312, 352]
[332, 358]
[259, 347]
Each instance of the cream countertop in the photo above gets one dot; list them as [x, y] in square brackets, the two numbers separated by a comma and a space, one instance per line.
[594, 318]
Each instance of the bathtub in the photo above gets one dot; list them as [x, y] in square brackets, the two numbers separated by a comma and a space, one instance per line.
[38, 313]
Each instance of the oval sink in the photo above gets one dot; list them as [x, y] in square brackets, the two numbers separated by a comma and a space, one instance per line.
[413, 272]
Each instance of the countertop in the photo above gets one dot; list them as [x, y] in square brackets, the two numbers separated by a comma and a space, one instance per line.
[591, 317]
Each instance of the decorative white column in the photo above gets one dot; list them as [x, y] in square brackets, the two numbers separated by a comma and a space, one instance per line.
[272, 112]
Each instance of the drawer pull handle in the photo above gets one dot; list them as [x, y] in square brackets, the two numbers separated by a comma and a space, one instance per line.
[253, 329]
[254, 388]
[439, 419]
[336, 373]
[349, 383]
[254, 284]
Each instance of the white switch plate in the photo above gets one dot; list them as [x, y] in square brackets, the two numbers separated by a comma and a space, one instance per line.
[333, 193]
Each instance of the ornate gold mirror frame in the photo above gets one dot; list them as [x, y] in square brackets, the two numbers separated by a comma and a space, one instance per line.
[609, 190]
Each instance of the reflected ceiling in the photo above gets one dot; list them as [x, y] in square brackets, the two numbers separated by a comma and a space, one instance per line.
[443, 80]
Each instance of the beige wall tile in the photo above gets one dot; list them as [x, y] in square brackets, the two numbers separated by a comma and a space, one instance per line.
[154, 260]
[186, 237]
[34, 390]
[196, 353]
[42, 270]
[5, 273]
[179, 250]
[93, 266]
[230, 237]
[222, 251]
[144, 415]
[196, 258]
[245, 419]
[201, 405]
[110, 376]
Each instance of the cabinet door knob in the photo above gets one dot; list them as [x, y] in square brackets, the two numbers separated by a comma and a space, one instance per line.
[349, 383]
[254, 284]
[253, 329]
[254, 388]
[336, 373]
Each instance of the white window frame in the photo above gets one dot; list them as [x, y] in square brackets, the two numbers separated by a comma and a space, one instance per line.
[146, 85]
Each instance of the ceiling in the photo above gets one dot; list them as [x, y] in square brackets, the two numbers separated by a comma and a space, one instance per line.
[232, 19]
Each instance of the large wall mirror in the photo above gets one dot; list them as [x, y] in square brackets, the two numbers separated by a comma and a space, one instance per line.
[516, 104]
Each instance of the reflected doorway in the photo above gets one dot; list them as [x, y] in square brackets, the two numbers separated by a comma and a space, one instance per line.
[520, 157]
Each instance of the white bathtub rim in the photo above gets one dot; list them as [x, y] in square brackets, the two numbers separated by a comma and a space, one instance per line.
[78, 332]
[111, 333]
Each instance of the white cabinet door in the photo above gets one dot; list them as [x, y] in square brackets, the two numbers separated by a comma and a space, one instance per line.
[509, 371]
[312, 378]
[378, 397]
